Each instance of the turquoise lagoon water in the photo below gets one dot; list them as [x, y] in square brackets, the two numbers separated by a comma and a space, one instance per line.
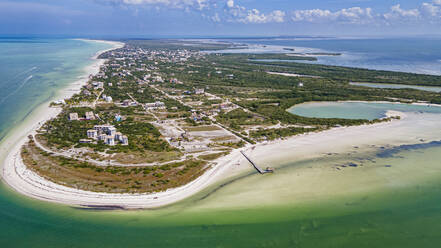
[402, 209]
[357, 110]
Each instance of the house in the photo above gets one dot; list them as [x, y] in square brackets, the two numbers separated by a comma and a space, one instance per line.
[98, 85]
[86, 92]
[92, 134]
[199, 91]
[111, 131]
[110, 140]
[154, 105]
[73, 117]
[59, 102]
[90, 116]
[300, 84]
[118, 136]
[124, 141]
[85, 141]
[102, 137]
[126, 102]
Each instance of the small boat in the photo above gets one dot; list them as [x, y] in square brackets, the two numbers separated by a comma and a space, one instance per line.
[269, 170]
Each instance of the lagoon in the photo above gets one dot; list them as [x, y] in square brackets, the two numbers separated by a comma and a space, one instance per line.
[357, 110]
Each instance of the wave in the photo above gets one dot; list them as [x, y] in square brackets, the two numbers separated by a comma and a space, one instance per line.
[17, 89]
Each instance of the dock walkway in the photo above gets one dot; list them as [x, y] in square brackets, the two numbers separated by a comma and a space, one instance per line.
[255, 166]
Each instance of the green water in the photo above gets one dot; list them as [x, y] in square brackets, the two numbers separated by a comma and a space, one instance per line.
[304, 204]
[402, 216]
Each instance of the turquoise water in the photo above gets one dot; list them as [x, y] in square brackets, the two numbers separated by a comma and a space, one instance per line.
[356, 110]
[33, 70]
[400, 208]
[398, 86]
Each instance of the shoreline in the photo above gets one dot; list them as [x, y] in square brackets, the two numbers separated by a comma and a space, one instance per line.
[42, 113]
[293, 149]
[279, 151]
[361, 101]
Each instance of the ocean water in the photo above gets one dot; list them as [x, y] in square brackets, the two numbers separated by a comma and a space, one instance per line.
[415, 55]
[33, 70]
[394, 200]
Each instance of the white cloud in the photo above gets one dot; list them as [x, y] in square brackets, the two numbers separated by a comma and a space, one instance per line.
[355, 15]
[254, 16]
[230, 3]
[397, 13]
[233, 11]
[216, 18]
[430, 9]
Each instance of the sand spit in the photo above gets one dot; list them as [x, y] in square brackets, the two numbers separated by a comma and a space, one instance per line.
[411, 129]
[293, 149]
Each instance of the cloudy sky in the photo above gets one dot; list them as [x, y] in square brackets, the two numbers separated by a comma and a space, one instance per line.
[158, 18]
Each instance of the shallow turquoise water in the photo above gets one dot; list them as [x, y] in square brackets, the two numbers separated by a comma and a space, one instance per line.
[356, 110]
[33, 70]
[405, 216]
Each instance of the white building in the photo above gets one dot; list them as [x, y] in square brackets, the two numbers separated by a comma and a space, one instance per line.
[73, 117]
[111, 131]
[90, 116]
[110, 140]
[154, 105]
[199, 91]
[92, 134]
[118, 136]
[98, 85]
[124, 141]
[108, 134]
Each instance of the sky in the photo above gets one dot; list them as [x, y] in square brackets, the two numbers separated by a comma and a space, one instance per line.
[213, 18]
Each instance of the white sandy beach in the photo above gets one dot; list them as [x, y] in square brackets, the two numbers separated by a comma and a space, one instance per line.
[297, 148]
[302, 147]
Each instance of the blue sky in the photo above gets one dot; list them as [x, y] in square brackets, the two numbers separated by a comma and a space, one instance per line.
[156, 18]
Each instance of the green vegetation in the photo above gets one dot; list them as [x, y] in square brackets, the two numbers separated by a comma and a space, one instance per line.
[277, 133]
[189, 92]
[111, 179]
[238, 117]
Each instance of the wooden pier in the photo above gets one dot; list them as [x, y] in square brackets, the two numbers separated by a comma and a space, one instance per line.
[257, 167]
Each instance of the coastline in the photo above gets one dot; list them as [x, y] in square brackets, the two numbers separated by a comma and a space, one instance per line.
[293, 149]
[38, 116]
[296, 148]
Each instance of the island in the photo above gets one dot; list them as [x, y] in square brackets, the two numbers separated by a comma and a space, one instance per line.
[163, 119]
